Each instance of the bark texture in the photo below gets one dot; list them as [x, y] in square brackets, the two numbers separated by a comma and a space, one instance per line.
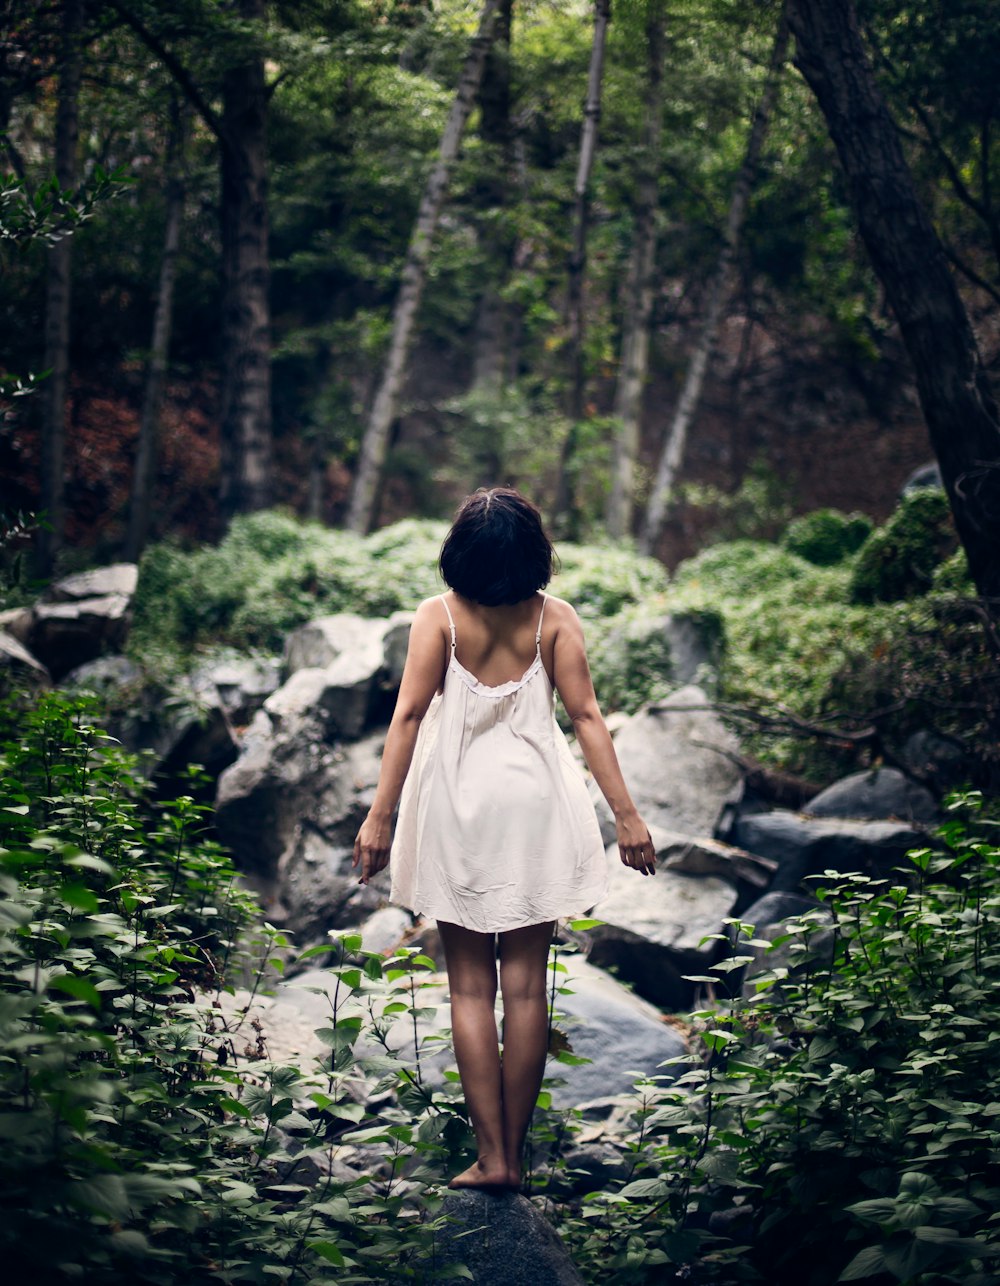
[141, 507]
[907, 254]
[719, 288]
[634, 362]
[57, 298]
[246, 318]
[375, 442]
[565, 506]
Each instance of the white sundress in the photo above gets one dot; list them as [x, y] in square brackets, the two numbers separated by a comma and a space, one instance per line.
[496, 829]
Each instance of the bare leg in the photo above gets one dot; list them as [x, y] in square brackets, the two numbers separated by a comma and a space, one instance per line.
[524, 955]
[472, 981]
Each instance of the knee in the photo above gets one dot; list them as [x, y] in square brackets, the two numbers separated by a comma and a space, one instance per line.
[478, 990]
[520, 985]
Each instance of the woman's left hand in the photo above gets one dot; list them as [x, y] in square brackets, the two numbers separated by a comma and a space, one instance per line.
[371, 847]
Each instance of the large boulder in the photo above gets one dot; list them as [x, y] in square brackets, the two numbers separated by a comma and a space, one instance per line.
[243, 684]
[65, 634]
[680, 763]
[360, 661]
[317, 889]
[288, 778]
[873, 795]
[503, 1240]
[653, 928]
[690, 855]
[768, 916]
[803, 846]
[623, 1035]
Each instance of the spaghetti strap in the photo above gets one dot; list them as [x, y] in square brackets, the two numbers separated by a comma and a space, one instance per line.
[538, 632]
[451, 620]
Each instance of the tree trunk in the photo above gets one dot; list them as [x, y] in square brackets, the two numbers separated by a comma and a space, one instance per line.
[565, 506]
[906, 253]
[245, 464]
[374, 444]
[718, 292]
[634, 362]
[57, 300]
[141, 506]
[488, 363]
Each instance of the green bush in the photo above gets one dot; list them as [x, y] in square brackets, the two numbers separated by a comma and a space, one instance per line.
[843, 1122]
[898, 559]
[826, 536]
[145, 1137]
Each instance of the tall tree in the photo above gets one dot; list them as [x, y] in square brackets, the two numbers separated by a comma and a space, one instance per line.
[675, 441]
[140, 503]
[634, 361]
[241, 130]
[565, 500]
[906, 253]
[57, 298]
[375, 441]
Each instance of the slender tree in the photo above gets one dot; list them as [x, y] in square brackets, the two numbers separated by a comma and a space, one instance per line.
[906, 253]
[565, 502]
[241, 130]
[375, 441]
[57, 298]
[140, 508]
[634, 362]
[719, 288]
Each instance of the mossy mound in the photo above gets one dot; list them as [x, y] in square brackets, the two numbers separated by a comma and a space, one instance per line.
[898, 560]
[826, 536]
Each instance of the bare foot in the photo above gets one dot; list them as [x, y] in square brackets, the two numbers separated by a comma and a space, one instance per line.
[485, 1174]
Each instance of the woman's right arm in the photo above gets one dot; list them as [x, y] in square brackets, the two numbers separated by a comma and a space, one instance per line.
[571, 676]
[422, 675]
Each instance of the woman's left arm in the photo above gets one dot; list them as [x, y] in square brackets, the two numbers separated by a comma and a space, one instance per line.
[422, 673]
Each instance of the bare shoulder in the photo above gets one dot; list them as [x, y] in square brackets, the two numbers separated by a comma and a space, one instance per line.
[562, 615]
[429, 619]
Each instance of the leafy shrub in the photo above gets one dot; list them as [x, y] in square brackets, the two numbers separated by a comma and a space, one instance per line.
[145, 1138]
[600, 580]
[843, 1123]
[898, 559]
[826, 536]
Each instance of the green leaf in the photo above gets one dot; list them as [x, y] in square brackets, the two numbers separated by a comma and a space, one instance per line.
[866, 1263]
[80, 988]
[580, 926]
[328, 1251]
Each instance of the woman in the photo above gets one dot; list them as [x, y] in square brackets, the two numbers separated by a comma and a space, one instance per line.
[497, 837]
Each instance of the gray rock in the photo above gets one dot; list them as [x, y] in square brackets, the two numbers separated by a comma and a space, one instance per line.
[318, 889]
[689, 855]
[678, 763]
[623, 1035]
[384, 928]
[288, 776]
[805, 846]
[243, 684]
[17, 622]
[940, 761]
[504, 1241]
[768, 916]
[104, 675]
[873, 795]
[592, 1167]
[118, 578]
[63, 635]
[18, 665]
[653, 928]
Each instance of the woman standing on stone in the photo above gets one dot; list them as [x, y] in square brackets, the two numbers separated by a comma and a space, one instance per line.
[497, 837]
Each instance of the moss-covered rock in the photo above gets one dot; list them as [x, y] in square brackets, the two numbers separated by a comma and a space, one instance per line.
[826, 536]
[898, 560]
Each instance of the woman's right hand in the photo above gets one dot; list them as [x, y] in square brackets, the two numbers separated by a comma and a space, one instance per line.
[635, 845]
[372, 845]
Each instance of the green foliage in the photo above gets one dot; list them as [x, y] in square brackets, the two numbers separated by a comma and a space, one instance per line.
[146, 1136]
[826, 536]
[898, 559]
[842, 1125]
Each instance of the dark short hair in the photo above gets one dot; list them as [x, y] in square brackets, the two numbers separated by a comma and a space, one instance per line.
[497, 550]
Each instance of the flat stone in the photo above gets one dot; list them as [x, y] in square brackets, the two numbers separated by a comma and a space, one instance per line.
[117, 578]
[63, 635]
[803, 846]
[16, 660]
